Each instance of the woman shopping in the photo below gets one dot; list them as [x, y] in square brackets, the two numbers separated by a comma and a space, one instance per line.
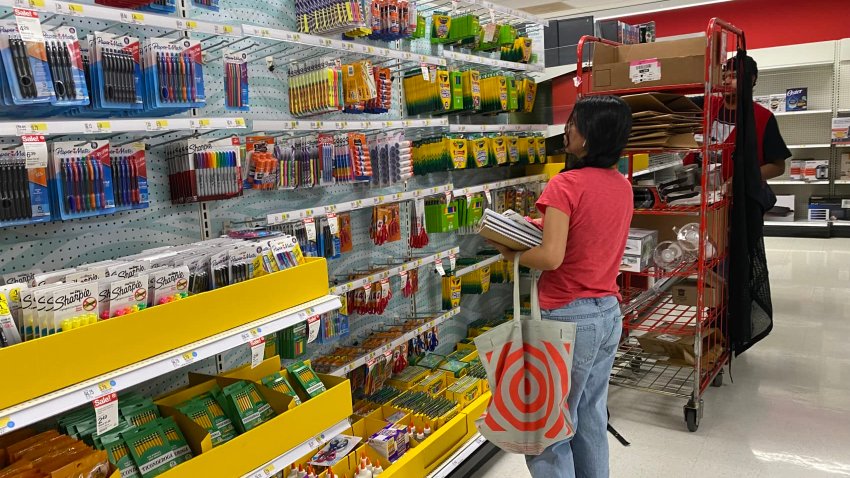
[586, 215]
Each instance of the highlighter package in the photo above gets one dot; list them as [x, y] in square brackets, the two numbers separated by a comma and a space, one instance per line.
[129, 175]
[81, 179]
[116, 72]
[26, 71]
[24, 196]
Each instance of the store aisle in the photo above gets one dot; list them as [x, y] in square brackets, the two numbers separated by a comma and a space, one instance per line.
[788, 412]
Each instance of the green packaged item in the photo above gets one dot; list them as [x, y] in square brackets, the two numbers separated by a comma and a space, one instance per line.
[456, 82]
[440, 26]
[431, 361]
[179, 446]
[248, 407]
[306, 378]
[293, 341]
[456, 367]
[150, 449]
[119, 455]
[139, 413]
[278, 383]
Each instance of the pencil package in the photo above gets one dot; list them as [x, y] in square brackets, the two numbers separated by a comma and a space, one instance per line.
[130, 175]
[248, 409]
[150, 448]
[236, 82]
[24, 195]
[24, 62]
[81, 179]
[306, 378]
[278, 383]
[116, 72]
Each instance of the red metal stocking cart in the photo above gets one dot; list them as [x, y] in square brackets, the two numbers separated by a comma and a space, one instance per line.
[653, 320]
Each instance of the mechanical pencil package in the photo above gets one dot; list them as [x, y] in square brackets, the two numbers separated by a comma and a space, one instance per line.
[24, 196]
[81, 179]
[174, 77]
[66, 67]
[236, 81]
[25, 66]
[116, 73]
[130, 175]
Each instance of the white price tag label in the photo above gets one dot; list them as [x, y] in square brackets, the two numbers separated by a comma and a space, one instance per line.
[488, 195]
[35, 150]
[29, 26]
[258, 350]
[184, 359]
[252, 334]
[448, 196]
[96, 391]
[313, 327]
[133, 18]
[426, 72]
[333, 223]
[645, 70]
[30, 128]
[156, 125]
[236, 123]
[439, 266]
[6, 425]
[223, 29]
[310, 226]
[94, 127]
[200, 123]
[452, 260]
[106, 412]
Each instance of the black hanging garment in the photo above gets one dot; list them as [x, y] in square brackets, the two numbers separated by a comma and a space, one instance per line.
[750, 309]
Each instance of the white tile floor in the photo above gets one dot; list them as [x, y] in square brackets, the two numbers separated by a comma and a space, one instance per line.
[788, 412]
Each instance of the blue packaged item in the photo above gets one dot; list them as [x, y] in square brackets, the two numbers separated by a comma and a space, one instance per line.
[66, 67]
[206, 4]
[116, 73]
[24, 197]
[796, 99]
[159, 6]
[174, 76]
[81, 180]
[129, 175]
[26, 74]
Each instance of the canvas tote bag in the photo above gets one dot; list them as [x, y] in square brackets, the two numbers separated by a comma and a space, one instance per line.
[528, 362]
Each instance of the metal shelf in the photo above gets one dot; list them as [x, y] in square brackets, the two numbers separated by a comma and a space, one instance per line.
[842, 181]
[279, 125]
[292, 455]
[796, 66]
[800, 113]
[78, 127]
[483, 188]
[46, 406]
[395, 343]
[634, 368]
[793, 182]
[799, 223]
[414, 264]
[478, 265]
[455, 56]
[457, 458]
[809, 146]
[497, 128]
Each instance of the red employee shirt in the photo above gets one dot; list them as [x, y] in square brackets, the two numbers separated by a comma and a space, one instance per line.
[600, 204]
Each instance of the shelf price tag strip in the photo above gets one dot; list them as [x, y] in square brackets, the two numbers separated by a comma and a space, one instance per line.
[274, 125]
[59, 401]
[414, 264]
[497, 128]
[478, 265]
[286, 459]
[499, 184]
[118, 125]
[281, 217]
[395, 343]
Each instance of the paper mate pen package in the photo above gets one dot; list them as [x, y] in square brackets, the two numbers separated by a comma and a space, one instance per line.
[65, 62]
[168, 284]
[25, 64]
[236, 81]
[174, 75]
[81, 179]
[130, 175]
[23, 188]
[116, 73]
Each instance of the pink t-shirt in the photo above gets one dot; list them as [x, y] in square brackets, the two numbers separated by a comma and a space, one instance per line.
[599, 203]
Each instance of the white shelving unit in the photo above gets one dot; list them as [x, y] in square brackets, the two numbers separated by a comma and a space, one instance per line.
[790, 182]
[290, 456]
[150, 125]
[802, 113]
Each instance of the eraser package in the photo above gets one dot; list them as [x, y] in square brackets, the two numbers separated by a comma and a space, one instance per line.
[236, 82]
[173, 74]
[116, 73]
[24, 195]
[24, 64]
[81, 179]
[129, 175]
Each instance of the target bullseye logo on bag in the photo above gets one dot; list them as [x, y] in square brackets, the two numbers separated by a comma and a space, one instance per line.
[528, 362]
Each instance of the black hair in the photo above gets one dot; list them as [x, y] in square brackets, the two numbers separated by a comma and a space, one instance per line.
[606, 123]
[750, 66]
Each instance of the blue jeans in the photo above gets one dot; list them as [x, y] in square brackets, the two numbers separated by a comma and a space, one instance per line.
[598, 327]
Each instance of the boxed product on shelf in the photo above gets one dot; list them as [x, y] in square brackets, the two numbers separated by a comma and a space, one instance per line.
[686, 291]
[391, 442]
[679, 347]
[641, 242]
[777, 103]
[844, 166]
[840, 130]
[762, 100]
[816, 170]
[634, 263]
[649, 64]
[796, 99]
[783, 210]
[829, 208]
[797, 169]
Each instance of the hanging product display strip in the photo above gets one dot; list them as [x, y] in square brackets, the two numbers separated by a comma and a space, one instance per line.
[277, 125]
[500, 184]
[413, 264]
[117, 125]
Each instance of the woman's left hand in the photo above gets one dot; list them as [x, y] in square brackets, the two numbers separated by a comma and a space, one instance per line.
[506, 252]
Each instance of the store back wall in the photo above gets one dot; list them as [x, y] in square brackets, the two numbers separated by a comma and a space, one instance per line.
[766, 23]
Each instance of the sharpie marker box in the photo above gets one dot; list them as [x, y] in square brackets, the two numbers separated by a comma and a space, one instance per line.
[796, 99]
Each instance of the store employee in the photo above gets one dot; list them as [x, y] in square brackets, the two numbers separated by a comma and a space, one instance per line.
[772, 151]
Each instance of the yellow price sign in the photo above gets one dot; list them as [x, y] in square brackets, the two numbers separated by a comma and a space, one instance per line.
[265, 33]
[223, 29]
[191, 25]
[104, 386]
[138, 18]
[4, 306]
[37, 3]
[75, 9]
[38, 128]
[6, 424]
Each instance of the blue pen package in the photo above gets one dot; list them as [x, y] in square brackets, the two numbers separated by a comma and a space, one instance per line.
[160, 6]
[236, 82]
[24, 197]
[174, 76]
[25, 66]
[81, 179]
[129, 175]
[116, 72]
[65, 63]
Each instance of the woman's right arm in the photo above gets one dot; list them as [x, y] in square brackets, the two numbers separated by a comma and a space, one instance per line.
[550, 253]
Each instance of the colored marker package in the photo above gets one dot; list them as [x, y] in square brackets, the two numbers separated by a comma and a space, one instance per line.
[236, 82]
[200, 170]
[24, 196]
[81, 179]
[174, 75]
[130, 175]
[116, 73]
[66, 67]
[27, 75]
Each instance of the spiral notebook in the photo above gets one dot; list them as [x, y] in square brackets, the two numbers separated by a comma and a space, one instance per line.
[510, 229]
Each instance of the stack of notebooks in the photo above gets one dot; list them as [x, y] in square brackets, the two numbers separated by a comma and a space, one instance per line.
[661, 120]
[510, 229]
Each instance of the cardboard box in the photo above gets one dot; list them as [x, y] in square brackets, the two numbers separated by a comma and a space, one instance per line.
[816, 170]
[686, 291]
[777, 103]
[796, 99]
[840, 130]
[798, 167]
[837, 208]
[763, 100]
[634, 263]
[641, 242]
[679, 348]
[649, 64]
[783, 210]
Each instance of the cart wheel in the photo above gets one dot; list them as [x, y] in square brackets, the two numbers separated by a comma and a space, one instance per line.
[692, 419]
[635, 364]
[718, 380]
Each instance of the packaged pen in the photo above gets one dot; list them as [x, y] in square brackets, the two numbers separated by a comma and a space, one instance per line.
[129, 175]
[26, 69]
[24, 196]
[200, 170]
[236, 82]
[116, 72]
[211, 5]
[174, 76]
[81, 179]
[160, 6]
[66, 67]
